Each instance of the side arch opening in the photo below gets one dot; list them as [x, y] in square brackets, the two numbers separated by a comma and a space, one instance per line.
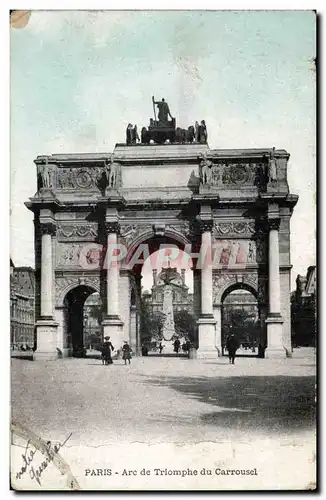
[240, 316]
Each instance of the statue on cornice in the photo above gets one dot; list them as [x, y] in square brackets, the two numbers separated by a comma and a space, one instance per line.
[112, 170]
[272, 167]
[205, 169]
[163, 110]
[46, 173]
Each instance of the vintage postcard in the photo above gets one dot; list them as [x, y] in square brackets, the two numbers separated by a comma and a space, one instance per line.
[162, 261]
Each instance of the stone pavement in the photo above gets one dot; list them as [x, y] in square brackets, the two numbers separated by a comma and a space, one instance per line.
[165, 399]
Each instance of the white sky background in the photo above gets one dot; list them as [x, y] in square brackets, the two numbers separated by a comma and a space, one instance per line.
[78, 78]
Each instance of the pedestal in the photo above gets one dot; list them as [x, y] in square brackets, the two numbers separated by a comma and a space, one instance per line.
[113, 328]
[46, 331]
[207, 338]
[275, 349]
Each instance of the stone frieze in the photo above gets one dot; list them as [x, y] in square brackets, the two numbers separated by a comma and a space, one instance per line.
[77, 231]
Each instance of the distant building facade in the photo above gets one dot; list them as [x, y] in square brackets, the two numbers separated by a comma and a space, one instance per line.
[182, 299]
[303, 309]
[22, 300]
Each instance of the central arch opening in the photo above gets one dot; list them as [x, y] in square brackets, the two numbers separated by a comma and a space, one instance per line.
[167, 323]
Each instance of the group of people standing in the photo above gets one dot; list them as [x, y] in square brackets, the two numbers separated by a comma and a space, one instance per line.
[107, 349]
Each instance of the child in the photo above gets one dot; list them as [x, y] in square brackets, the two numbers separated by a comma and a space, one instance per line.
[126, 352]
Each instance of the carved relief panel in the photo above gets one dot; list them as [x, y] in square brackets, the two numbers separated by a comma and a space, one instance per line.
[86, 178]
[232, 174]
[63, 284]
[232, 252]
[130, 232]
[233, 228]
[68, 231]
[221, 282]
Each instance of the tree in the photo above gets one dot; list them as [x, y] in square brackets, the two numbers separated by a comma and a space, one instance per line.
[96, 312]
[185, 325]
[157, 322]
[151, 323]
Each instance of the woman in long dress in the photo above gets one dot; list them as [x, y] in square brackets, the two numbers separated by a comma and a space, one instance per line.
[107, 347]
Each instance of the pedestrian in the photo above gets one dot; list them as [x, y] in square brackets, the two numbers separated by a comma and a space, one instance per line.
[126, 349]
[106, 349]
[161, 347]
[232, 346]
[144, 350]
[176, 345]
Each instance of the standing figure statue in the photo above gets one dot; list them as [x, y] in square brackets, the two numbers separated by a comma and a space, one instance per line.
[190, 133]
[196, 132]
[202, 132]
[46, 174]
[111, 173]
[145, 137]
[216, 175]
[163, 110]
[205, 169]
[134, 135]
[129, 134]
[272, 167]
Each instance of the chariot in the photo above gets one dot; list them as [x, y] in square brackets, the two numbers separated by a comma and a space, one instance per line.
[160, 132]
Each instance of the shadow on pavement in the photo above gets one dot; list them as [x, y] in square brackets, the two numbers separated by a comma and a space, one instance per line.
[168, 355]
[273, 403]
[28, 356]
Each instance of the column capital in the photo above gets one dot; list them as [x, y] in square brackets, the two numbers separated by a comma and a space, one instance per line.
[48, 228]
[206, 226]
[112, 227]
[274, 223]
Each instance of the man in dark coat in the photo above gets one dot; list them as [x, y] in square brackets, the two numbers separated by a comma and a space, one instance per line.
[176, 345]
[144, 350]
[232, 346]
[107, 347]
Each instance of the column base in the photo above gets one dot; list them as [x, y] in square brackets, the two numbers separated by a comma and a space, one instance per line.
[275, 353]
[207, 337]
[46, 332]
[66, 352]
[207, 354]
[274, 349]
[113, 328]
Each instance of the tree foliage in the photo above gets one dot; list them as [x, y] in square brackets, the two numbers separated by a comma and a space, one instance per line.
[185, 325]
[96, 312]
[151, 323]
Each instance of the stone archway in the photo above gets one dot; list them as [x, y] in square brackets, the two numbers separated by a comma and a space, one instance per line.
[141, 248]
[70, 320]
[159, 192]
[240, 315]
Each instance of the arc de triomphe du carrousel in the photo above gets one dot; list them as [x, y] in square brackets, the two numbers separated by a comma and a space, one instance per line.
[98, 216]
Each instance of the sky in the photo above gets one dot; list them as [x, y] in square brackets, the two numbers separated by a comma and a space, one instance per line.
[79, 77]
